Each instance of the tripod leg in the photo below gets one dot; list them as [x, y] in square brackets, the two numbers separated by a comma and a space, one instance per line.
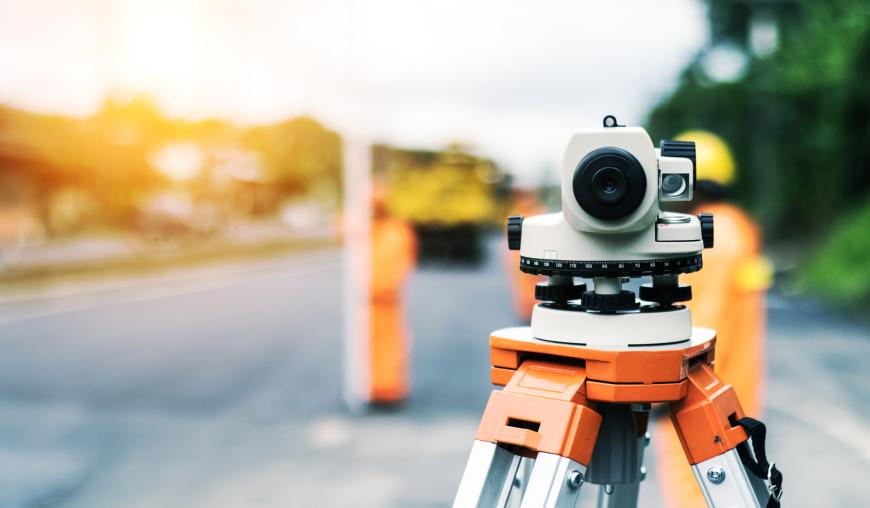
[541, 413]
[710, 425]
[521, 481]
[725, 481]
[488, 476]
[555, 482]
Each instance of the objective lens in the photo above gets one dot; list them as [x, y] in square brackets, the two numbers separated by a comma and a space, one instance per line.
[673, 185]
[609, 185]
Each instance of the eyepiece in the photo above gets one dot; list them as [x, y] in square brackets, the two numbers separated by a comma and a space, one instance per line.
[609, 183]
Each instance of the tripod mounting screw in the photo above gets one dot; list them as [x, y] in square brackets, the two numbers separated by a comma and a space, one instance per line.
[514, 231]
[706, 229]
[575, 479]
[716, 475]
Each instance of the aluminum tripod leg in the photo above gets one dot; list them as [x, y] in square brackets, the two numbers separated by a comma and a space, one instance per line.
[555, 482]
[726, 482]
[521, 481]
[488, 476]
[712, 429]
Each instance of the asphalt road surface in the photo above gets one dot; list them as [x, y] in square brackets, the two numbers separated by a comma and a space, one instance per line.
[219, 386]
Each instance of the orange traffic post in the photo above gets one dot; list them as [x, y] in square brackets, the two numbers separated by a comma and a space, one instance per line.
[380, 254]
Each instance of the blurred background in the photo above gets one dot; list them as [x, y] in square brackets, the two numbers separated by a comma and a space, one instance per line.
[172, 191]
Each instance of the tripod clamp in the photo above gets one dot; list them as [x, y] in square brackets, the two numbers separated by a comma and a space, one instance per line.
[774, 479]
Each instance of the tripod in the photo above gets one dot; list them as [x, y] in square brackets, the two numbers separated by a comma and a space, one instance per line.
[581, 413]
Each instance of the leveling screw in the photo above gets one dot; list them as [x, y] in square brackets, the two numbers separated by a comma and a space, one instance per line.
[575, 479]
[716, 475]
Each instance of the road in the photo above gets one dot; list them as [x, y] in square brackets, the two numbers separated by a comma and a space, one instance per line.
[219, 386]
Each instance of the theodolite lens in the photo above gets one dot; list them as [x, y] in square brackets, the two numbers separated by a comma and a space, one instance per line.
[609, 183]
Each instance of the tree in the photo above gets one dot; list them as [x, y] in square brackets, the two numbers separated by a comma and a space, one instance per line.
[797, 121]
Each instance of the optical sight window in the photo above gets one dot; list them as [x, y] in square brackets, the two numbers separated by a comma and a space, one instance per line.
[674, 186]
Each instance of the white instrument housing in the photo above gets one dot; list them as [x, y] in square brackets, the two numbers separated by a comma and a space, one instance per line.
[633, 140]
[551, 236]
[625, 329]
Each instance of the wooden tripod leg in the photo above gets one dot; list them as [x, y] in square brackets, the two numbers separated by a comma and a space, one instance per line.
[705, 421]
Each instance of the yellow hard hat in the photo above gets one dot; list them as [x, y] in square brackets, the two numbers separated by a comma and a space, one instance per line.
[713, 157]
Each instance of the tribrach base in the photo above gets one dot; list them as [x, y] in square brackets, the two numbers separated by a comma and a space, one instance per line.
[551, 409]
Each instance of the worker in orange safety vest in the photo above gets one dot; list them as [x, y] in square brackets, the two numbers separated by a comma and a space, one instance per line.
[393, 256]
[727, 295]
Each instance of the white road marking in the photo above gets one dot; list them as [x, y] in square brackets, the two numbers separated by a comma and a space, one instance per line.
[90, 302]
[75, 298]
[98, 283]
[329, 433]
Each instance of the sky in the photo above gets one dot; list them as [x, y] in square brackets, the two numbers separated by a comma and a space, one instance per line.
[512, 79]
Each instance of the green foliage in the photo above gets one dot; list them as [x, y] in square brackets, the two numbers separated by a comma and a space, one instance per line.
[819, 43]
[839, 271]
[799, 120]
[103, 156]
[107, 158]
[798, 123]
[298, 154]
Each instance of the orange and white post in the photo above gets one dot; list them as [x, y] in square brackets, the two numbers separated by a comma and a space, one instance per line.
[380, 254]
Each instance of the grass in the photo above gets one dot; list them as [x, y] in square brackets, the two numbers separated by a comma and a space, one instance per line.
[839, 271]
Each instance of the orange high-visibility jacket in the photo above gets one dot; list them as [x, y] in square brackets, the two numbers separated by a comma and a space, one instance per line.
[394, 254]
[522, 285]
[728, 295]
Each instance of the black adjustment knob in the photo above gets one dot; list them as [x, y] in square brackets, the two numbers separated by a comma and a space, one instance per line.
[624, 300]
[684, 149]
[672, 148]
[558, 293]
[514, 231]
[706, 229]
[665, 295]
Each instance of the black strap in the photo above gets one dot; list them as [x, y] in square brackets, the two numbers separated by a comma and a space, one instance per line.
[758, 464]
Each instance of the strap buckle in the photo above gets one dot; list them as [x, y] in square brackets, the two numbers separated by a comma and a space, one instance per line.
[774, 479]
